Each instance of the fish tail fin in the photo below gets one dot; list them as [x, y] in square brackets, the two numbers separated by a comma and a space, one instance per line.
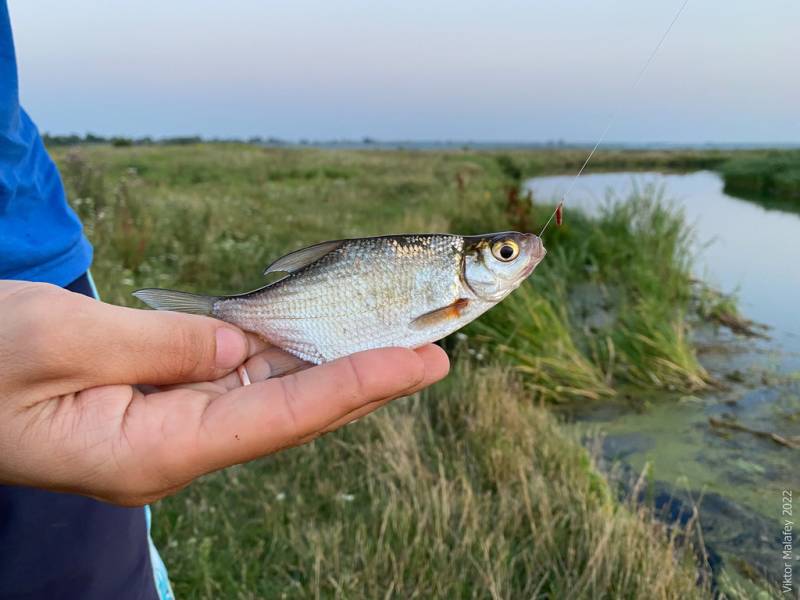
[178, 301]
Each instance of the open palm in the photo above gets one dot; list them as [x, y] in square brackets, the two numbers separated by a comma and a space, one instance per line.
[94, 398]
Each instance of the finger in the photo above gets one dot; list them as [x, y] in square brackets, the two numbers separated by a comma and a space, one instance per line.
[232, 380]
[272, 362]
[264, 417]
[93, 343]
[256, 344]
[437, 365]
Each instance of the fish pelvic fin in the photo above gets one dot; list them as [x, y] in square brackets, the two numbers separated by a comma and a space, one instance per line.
[177, 301]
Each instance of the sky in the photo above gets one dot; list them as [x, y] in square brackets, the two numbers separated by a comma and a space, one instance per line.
[524, 71]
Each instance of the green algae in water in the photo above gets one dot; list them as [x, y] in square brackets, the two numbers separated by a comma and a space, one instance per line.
[676, 440]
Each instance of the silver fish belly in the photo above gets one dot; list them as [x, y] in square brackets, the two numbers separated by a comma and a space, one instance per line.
[366, 294]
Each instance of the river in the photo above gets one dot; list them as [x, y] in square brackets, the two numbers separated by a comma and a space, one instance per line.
[736, 479]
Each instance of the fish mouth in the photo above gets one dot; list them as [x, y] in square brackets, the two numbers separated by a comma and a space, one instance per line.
[536, 252]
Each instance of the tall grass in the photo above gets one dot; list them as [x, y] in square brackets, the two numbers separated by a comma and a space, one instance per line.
[632, 267]
[464, 491]
[641, 249]
[533, 331]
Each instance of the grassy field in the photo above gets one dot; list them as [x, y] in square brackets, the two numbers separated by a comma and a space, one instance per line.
[471, 489]
[210, 217]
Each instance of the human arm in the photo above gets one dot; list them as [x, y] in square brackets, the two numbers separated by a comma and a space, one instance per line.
[79, 411]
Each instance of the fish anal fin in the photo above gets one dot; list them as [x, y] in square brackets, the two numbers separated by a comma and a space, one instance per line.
[294, 261]
[440, 315]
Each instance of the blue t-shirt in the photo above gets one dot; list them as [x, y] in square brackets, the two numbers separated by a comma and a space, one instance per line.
[54, 545]
[41, 238]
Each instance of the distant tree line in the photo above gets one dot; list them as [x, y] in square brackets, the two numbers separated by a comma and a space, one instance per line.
[122, 141]
[365, 142]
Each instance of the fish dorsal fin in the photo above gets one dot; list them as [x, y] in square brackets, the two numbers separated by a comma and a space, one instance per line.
[294, 261]
[440, 315]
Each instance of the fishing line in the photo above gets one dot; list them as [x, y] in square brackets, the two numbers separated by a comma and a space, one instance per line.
[613, 118]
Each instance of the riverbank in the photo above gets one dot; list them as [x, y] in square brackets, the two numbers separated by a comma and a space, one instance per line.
[770, 177]
[731, 450]
[471, 486]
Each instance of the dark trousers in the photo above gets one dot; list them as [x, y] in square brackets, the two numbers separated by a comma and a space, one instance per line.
[64, 546]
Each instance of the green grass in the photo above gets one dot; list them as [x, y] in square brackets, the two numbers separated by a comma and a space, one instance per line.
[463, 491]
[208, 218]
[770, 176]
[471, 489]
[610, 305]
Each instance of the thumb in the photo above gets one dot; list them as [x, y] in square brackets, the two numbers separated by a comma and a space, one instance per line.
[98, 343]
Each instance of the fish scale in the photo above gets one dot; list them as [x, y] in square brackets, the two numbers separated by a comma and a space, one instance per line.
[345, 296]
[347, 304]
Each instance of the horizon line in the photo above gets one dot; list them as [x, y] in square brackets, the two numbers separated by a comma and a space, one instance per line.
[369, 141]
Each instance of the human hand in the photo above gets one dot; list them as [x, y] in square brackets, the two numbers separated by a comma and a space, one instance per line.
[74, 418]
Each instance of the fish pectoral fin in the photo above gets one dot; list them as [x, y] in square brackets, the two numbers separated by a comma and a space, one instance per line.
[294, 261]
[440, 315]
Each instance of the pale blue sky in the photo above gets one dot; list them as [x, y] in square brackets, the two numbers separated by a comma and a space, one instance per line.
[456, 69]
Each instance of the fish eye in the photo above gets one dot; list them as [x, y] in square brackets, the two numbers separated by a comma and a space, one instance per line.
[506, 250]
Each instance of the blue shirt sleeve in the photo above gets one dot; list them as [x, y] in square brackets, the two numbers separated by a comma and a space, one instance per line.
[41, 238]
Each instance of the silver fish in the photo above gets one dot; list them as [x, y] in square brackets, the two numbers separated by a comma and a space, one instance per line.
[344, 296]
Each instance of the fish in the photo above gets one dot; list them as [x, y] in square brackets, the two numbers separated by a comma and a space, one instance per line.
[339, 297]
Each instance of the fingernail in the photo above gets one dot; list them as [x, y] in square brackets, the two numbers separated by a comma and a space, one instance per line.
[231, 348]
